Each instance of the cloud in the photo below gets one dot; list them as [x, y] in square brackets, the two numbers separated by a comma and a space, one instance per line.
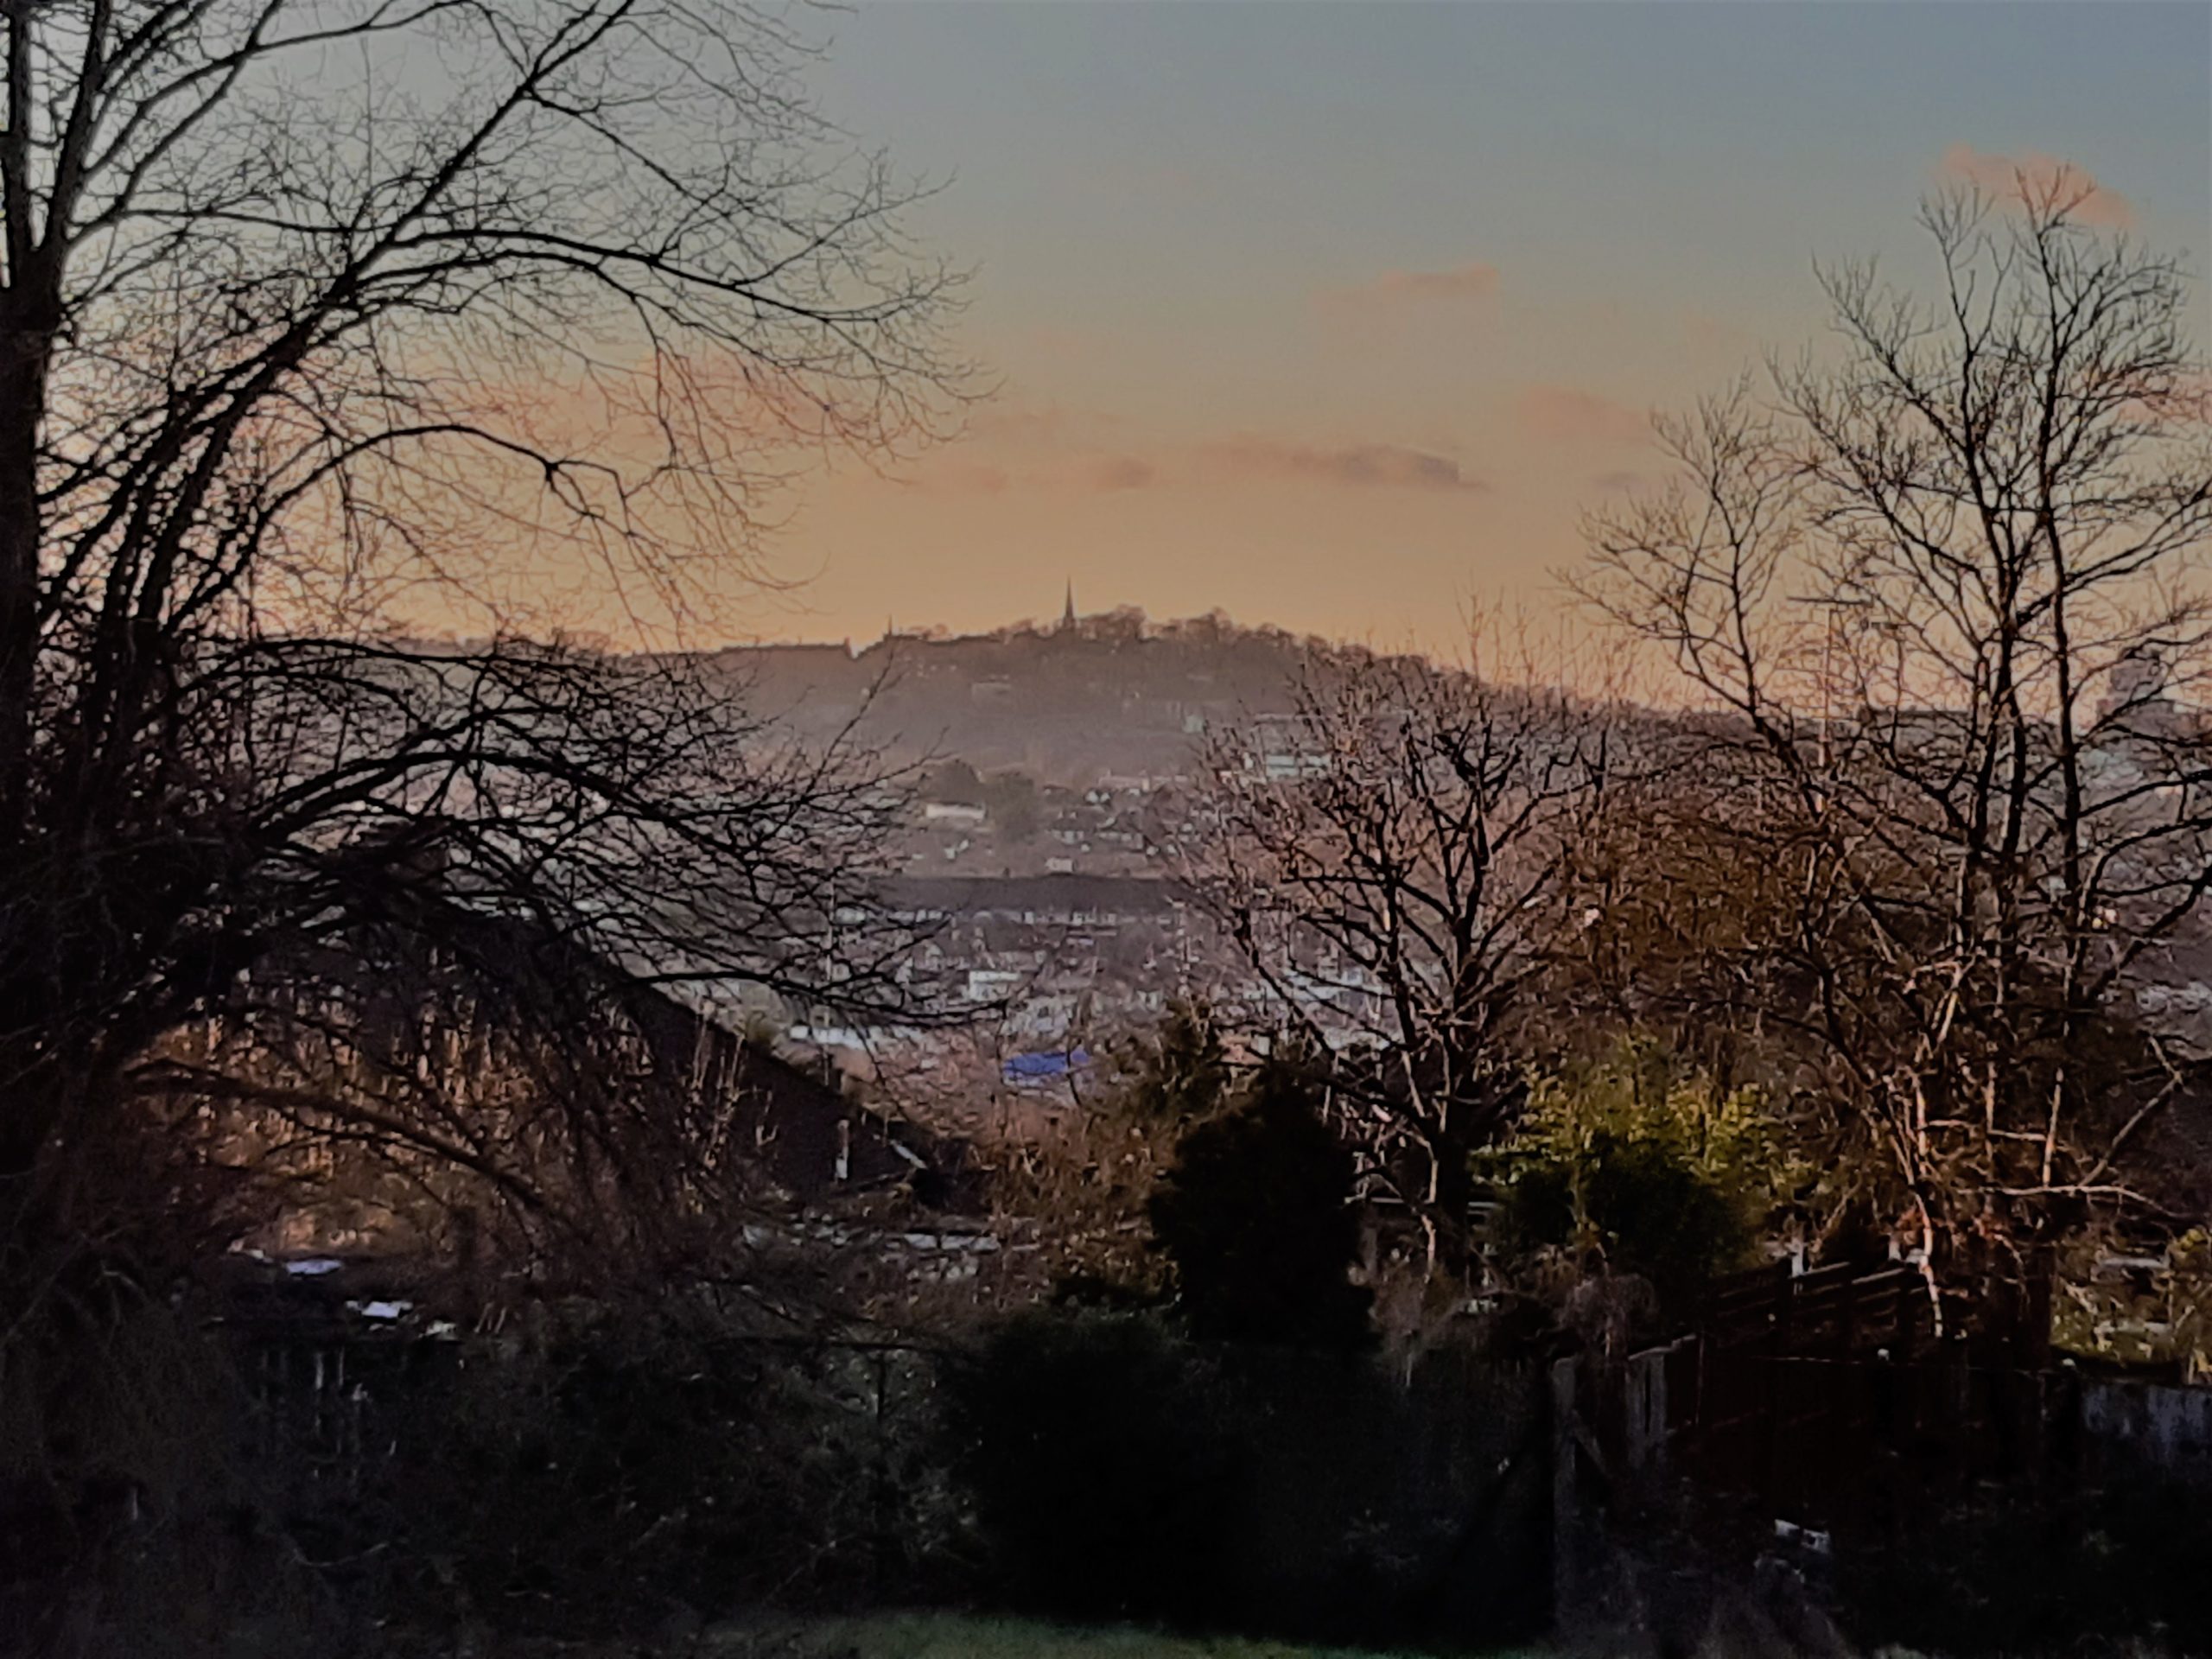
[1242, 456]
[1360, 466]
[1110, 472]
[2191, 399]
[1025, 447]
[2033, 175]
[1047, 424]
[1460, 285]
[1080, 476]
[1569, 414]
[1618, 483]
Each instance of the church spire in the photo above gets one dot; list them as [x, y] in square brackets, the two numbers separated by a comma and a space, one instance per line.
[1067, 616]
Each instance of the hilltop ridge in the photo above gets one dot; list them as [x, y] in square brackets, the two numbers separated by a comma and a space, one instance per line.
[1084, 700]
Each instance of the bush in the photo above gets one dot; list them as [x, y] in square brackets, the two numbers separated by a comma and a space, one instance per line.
[1256, 1213]
[622, 1473]
[1646, 1164]
[2095, 1573]
[132, 1522]
[1103, 1463]
[1651, 1212]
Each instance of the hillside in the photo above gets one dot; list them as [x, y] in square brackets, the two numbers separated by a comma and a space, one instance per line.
[1104, 696]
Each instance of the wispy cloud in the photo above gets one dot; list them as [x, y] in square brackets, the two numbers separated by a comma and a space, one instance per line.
[1045, 424]
[1358, 466]
[1460, 285]
[1028, 447]
[1570, 414]
[1076, 475]
[1108, 473]
[1242, 456]
[2032, 174]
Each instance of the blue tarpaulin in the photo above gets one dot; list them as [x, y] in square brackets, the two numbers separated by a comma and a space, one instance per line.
[1039, 1068]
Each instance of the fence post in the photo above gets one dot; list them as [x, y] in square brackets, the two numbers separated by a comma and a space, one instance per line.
[1566, 1504]
[1645, 1441]
[1777, 1345]
[882, 1480]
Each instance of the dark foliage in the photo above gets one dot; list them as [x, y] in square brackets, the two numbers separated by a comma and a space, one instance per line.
[309, 921]
[956, 782]
[1119, 1472]
[1105, 1294]
[1653, 1213]
[2087, 1573]
[1102, 1464]
[1256, 1213]
[633, 1469]
[1181, 1072]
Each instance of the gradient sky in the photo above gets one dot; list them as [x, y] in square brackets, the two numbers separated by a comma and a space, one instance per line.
[1333, 315]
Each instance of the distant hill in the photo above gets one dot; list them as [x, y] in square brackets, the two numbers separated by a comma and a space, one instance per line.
[1110, 695]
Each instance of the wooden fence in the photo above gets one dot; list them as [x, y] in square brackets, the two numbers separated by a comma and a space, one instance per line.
[1828, 1400]
[1360, 1499]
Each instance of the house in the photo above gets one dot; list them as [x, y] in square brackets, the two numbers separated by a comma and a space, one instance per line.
[805, 1135]
[992, 984]
[956, 814]
[494, 1151]
[1052, 900]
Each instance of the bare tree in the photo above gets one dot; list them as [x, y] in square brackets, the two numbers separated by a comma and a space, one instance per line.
[537, 1010]
[1391, 861]
[1943, 588]
[325, 321]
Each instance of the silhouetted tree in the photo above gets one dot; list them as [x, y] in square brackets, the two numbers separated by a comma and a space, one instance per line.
[1395, 863]
[1256, 1215]
[1180, 1070]
[1945, 591]
[308, 314]
[1085, 1186]
[1103, 1458]
[1012, 797]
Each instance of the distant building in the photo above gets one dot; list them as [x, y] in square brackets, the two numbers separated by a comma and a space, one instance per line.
[1282, 749]
[1055, 900]
[956, 814]
[989, 984]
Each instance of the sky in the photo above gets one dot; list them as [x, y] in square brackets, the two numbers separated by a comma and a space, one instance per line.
[1336, 315]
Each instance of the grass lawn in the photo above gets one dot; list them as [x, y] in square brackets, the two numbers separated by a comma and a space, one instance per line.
[947, 1636]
